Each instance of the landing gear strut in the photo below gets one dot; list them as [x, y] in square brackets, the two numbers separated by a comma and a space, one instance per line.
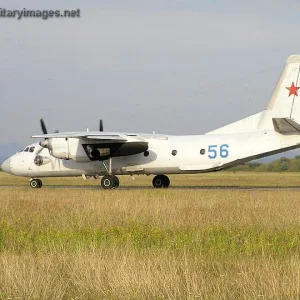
[36, 183]
[109, 182]
[161, 181]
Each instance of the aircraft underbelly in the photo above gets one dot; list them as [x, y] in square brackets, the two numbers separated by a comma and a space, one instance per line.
[196, 167]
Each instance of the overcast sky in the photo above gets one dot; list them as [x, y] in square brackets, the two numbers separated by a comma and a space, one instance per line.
[173, 66]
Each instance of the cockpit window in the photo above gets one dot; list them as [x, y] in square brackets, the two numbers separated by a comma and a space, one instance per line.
[31, 149]
[26, 149]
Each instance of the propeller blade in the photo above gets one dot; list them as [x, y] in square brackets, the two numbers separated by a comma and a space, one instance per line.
[43, 125]
[44, 128]
[101, 125]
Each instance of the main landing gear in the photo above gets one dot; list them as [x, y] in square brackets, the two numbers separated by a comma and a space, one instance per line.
[109, 182]
[161, 181]
[36, 183]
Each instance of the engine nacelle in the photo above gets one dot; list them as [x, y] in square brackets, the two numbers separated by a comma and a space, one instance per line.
[79, 151]
[66, 148]
[59, 147]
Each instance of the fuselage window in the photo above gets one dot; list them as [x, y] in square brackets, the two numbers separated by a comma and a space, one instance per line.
[174, 152]
[26, 149]
[202, 151]
[31, 149]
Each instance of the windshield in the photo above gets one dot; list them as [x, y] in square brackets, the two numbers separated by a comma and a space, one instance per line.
[28, 149]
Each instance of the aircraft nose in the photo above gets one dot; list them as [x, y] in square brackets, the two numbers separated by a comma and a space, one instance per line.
[6, 166]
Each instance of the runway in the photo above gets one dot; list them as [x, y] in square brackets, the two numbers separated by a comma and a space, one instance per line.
[128, 188]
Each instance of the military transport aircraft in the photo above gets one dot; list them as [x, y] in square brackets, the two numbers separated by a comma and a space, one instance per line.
[107, 154]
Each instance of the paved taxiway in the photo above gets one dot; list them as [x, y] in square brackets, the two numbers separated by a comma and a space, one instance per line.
[95, 187]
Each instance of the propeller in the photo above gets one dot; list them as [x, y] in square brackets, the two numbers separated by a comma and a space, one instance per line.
[44, 128]
[43, 125]
[101, 125]
[45, 131]
[44, 144]
[47, 141]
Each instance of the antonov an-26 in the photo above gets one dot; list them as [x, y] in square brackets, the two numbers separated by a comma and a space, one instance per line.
[108, 154]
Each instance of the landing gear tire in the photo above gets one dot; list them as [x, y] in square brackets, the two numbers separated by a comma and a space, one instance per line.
[117, 181]
[40, 183]
[109, 182]
[161, 181]
[36, 183]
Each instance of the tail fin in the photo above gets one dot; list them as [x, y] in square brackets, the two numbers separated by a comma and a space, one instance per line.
[283, 111]
[285, 102]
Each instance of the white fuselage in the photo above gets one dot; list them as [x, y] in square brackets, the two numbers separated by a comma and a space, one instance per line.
[166, 155]
[273, 130]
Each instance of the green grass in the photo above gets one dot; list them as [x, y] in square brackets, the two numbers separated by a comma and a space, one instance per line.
[142, 238]
[151, 244]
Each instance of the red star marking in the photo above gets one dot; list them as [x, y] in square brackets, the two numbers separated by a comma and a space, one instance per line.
[293, 90]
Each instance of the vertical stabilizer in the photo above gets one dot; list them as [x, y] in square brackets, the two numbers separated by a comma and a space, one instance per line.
[285, 100]
[283, 110]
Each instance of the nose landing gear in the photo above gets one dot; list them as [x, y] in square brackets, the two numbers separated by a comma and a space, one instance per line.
[36, 183]
[161, 181]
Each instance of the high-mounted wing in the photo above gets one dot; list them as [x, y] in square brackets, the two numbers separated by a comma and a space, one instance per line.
[96, 145]
[96, 135]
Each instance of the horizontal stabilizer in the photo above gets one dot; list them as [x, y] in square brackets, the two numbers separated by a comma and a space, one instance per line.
[286, 125]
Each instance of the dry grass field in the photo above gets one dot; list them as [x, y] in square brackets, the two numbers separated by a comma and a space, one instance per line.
[151, 244]
[233, 179]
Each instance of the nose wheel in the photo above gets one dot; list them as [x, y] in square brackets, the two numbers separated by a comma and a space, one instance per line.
[161, 181]
[36, 183]
[109, 182]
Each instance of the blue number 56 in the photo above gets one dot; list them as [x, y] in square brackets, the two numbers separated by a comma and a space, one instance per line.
[213, 152]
